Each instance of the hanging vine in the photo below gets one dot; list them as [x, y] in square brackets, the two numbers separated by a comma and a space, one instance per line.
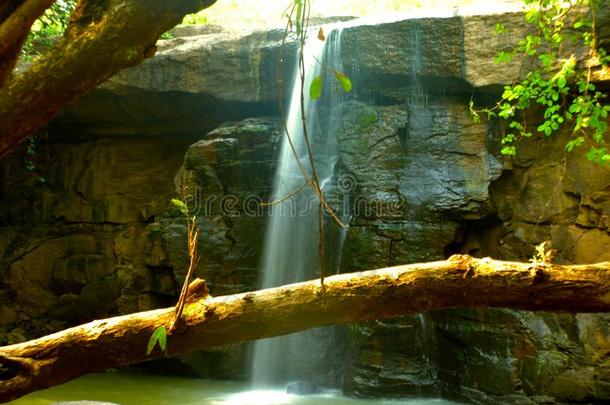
[297, 15]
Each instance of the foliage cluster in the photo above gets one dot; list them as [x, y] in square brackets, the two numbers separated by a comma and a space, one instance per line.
[48, 27]
[557, 86]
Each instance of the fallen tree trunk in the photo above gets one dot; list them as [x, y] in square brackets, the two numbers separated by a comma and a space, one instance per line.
[460, 281]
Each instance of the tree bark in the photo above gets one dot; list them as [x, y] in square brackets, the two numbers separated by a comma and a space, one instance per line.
[102, 38]
[207, 322]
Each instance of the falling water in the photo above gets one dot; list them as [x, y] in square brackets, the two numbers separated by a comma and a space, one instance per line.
[291, 246]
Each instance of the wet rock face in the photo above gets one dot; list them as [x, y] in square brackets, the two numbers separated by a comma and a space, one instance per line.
[452, 52]
[489, 356]
[392, 359]
[602, 24]
[411, 169]
[223, 65]
[230, 173]
[100, 238]
[422, 156]
[67, 242]
[546, 196]
[497, 356]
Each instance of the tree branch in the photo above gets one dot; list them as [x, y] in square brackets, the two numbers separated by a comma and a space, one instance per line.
[460, 281]
[7, 7]
[15, 26]
[102, 38]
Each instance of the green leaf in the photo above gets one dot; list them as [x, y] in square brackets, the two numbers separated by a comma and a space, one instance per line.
[509, 150]
[510, 138]
[517, 125]
[575, 143]
[315, 89]
[181, 205]
[561, 82]
[503, 57]
[575, 108]
[346, 83]
[160, 336]
[474, 115]
[500, 28]
[599, 155]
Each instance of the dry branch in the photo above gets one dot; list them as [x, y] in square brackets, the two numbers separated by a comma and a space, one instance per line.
[460, 281]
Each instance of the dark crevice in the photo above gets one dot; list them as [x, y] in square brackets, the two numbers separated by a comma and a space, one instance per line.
[9, 368]
[471, 237]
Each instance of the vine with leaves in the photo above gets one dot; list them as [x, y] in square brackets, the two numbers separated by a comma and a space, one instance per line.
[297, 15]
[298, 19]
[558, 85]
[160, 334]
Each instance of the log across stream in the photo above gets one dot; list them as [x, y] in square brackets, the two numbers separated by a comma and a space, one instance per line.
[460, 281]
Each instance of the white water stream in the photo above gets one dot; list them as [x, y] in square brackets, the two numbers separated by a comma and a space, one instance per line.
[291, 250]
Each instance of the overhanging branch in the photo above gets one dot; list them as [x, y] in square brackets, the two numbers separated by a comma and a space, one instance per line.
[16, 19]
[103, 38]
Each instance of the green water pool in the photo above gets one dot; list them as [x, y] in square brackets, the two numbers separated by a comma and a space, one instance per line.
[142, 389]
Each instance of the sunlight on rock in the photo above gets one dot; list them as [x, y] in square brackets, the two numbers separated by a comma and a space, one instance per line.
[250, 14]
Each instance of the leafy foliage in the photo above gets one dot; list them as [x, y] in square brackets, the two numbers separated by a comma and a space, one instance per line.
[192, 234]
[31, 156]
[181, 205]
[315, 88]
[158, 336]
[49, 26]
[557, 86]
[30, 152]
[195, 19]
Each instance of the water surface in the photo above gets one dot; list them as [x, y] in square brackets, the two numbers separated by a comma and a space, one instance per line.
[142, 389]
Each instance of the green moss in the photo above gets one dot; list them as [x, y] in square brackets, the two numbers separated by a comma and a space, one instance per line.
[367, 117]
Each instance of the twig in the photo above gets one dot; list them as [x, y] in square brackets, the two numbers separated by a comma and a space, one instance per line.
[192, 238]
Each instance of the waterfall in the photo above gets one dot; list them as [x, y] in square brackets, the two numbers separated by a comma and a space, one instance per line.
[290, 253]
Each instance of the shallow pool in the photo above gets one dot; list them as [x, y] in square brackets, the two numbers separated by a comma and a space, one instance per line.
[142, 389]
